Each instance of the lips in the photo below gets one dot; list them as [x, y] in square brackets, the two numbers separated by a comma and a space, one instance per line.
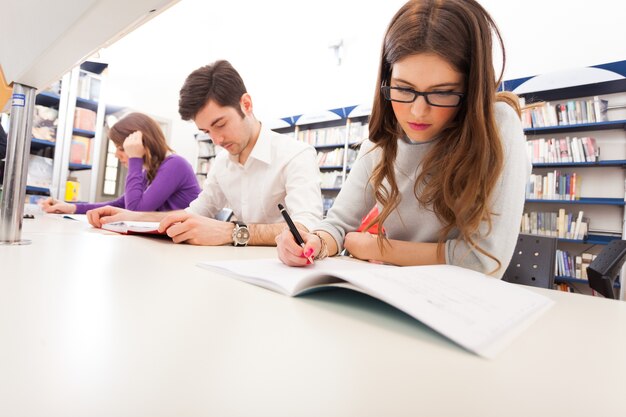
[419, 126]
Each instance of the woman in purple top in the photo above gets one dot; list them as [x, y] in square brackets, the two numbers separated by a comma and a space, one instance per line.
[157, 180]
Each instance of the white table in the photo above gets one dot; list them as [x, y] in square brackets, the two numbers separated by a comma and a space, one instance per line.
[98, 324]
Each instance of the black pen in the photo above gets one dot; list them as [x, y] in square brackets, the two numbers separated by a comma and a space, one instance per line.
[292, 228]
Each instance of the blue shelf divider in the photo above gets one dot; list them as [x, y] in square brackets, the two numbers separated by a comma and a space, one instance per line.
[607, 163]
[83, 132]
[79, 167]
[615, 124]
[571, 280]
[598, 201]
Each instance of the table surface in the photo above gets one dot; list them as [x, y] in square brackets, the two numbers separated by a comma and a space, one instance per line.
[94, 323]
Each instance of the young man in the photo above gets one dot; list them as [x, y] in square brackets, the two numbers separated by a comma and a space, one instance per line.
[260, 169]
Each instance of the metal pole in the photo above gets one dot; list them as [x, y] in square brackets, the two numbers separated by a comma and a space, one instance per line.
[16, 165]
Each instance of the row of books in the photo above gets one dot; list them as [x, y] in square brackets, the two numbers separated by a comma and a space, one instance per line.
[206, 149]
[45, 121]
[335, 157]
[80, 150]
[84, 119]
[332, 179]
[203, 166]
[358, 132]
[88, 87]
[573, 266]
[572, 112]
[563, 287]
[324, 136]
[561, 150]
[563, 225]
[555, 185]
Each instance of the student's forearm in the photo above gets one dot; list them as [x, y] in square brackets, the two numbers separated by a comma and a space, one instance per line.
[154, 216]
[265, 234]
[403, 253]
[331, 245]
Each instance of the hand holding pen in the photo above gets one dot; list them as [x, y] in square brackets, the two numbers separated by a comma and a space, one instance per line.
[293, 229]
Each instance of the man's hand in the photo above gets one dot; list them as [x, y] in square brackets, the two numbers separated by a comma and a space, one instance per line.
[196, 230]
[107, 214]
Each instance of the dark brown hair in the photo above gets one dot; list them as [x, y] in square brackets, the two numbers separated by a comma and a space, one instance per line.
[461, 170]
[219, 82]
[152, 136]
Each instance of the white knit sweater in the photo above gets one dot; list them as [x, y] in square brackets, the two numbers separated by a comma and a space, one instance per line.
[410, 222]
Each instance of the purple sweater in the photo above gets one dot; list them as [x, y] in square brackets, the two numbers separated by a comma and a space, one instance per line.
[173, 188]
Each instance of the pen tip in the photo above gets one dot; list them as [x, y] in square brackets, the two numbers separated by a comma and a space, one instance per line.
[280, 207]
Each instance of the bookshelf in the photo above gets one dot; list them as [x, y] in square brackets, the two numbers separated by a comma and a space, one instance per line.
[600, 180]
[336, 135]
[67, 134]
[206, 153]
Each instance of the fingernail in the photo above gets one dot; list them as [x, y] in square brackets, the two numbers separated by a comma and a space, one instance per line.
[308, 261]
[309, 252]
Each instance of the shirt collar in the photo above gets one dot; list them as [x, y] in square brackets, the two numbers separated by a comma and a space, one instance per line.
[262, 150]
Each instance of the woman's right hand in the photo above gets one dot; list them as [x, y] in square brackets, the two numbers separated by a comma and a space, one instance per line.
[133, 145]
[292, 254]
[51, 205]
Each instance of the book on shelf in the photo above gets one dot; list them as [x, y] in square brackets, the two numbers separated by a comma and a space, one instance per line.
[480, 313]
[323, 136]
[133, 227]
[206, 149]
[332, 179]
[571, 112]
[571, 265]
[562, 150]
[600, 108]
[554, 186]
[80, 150]
[563, 225]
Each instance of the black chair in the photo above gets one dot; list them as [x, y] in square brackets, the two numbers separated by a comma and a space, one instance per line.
[533, 261]
[605, 268]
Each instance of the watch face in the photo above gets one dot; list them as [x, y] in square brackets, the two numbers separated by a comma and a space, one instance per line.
[241, 235]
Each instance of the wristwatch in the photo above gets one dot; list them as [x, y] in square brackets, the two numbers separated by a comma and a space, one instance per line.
[241, 234]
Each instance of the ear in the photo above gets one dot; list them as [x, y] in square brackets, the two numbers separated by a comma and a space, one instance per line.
[246, 103]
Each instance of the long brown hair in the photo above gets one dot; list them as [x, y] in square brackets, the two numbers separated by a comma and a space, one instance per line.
[461, 170]
[152, 135]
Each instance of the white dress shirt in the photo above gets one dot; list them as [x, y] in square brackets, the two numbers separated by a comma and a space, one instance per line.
[280, 169]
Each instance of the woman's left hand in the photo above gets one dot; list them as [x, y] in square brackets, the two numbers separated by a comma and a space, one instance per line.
[362, 245]
[133, 145]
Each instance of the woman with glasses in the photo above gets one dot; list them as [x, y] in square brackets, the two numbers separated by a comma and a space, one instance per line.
[445, 163]
[157, 180]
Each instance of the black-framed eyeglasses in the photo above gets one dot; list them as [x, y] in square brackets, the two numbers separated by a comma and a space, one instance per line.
[434, 98]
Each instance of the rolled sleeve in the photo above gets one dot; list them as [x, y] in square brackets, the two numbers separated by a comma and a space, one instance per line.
[211, 199]
[302, 184]
[354, 200]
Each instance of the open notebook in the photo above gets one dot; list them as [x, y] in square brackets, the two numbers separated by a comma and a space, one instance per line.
[480, 313]
[133, 227]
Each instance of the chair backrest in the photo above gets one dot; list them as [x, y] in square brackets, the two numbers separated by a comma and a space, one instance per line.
[533, 261]
[605, 268]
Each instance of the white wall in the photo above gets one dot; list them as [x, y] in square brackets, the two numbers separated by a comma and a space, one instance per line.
[281, 49]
